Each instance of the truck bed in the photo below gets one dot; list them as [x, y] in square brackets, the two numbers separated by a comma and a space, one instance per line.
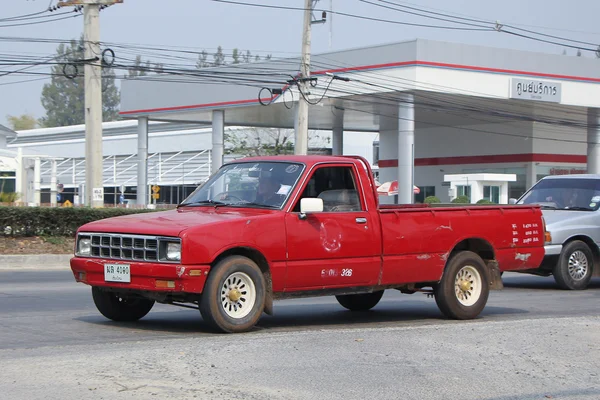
[416, 238]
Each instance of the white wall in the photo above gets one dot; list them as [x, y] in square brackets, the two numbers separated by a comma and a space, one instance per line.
[474, 140]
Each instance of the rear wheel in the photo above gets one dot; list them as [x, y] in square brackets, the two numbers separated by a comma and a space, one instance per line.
[360, 302]
[119, 307]
[234, 295]
[464, 289]
[574, 268]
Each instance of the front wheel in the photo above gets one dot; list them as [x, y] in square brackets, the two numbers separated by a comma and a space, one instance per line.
[360, 302]
[464, 289]
[119, 307]
[234, 295]
[574, 268]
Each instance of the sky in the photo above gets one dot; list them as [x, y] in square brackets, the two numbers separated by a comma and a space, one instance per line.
[206, 24]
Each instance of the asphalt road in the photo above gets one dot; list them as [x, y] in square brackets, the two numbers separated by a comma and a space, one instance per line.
[533, 341]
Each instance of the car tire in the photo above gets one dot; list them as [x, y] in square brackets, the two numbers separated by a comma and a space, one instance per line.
[234, 295]
[120, 308]
[575, 266]
[464, 289]
[360, 302]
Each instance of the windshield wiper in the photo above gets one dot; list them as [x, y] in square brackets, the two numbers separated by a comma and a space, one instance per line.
[251, 203]
[203, 202]
[576, 208]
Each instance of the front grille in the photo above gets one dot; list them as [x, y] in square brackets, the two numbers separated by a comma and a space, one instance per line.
[127, 247]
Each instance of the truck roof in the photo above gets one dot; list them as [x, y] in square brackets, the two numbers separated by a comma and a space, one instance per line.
[308, 159]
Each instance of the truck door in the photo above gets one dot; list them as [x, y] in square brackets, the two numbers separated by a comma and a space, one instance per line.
[340, 246]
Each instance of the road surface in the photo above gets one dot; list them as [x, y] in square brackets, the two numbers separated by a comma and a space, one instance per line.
[533, 341]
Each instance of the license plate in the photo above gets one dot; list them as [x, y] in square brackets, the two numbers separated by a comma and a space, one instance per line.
[117, 273]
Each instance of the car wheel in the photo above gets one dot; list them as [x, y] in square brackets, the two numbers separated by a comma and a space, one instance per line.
[575, 266]
[360, 302]
[464, 289]
[119, 307]
[234, 295]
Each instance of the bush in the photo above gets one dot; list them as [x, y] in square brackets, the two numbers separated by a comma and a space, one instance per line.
[485, 201]
[54, 221]
[461, 200]
[431, 200]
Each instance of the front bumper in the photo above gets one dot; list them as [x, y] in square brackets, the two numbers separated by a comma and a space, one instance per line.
[154, 277]
[553, 249]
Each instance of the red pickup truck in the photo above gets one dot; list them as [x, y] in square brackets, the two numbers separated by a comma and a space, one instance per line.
[268, 228]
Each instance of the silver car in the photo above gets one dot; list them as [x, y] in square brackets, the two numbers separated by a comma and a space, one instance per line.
[570, 206]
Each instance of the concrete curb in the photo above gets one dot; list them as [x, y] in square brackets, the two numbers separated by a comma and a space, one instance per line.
[35, 261]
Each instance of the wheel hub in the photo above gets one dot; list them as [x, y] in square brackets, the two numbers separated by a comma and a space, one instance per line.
[465, 285]
[234, 295]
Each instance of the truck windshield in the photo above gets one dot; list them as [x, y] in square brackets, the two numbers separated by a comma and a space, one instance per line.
[565, 194]
[248, 184]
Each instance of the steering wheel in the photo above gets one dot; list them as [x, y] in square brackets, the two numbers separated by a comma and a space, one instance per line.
[228, 196]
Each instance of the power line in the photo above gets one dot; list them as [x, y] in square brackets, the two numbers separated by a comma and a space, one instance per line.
[349, 15]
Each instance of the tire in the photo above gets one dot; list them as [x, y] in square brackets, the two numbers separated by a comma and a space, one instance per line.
[359, 302]
[455, 301]
[575, 266]
[120, 308]
[239, 277]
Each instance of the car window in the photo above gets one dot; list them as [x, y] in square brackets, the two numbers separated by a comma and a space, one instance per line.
[336, 186]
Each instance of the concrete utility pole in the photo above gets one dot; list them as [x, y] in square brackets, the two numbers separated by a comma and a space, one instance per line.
[301, 145]
[94, 187]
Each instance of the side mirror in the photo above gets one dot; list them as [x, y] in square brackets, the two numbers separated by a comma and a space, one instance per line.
[310, 205]
[512, 201]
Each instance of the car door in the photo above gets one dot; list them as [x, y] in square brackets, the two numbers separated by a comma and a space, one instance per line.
[337, 247]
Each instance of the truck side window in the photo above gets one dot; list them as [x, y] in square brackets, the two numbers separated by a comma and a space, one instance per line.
[336, 186]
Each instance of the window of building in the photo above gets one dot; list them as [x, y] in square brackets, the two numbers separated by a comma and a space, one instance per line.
[463, 190]
[492, 193]
[426, 191]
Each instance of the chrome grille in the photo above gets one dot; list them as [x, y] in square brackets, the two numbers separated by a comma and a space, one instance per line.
[128, 247]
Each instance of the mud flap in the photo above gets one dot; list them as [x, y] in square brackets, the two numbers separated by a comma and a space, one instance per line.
[494, 275]
[268, 305]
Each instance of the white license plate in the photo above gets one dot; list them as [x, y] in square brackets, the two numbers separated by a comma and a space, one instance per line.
[117, 273]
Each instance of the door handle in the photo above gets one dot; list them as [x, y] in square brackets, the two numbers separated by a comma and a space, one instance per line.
[361, 220]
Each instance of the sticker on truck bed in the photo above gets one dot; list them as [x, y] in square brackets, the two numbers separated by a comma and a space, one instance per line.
[530, 232]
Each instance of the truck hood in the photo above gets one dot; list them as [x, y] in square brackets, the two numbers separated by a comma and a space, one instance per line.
[172, 222]
[560, 218]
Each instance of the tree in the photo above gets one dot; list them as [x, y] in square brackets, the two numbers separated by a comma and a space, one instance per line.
[578, 52]
[22, 122]
[64, 98]
[138, 68]
[235, 56]
[267, 141]
[202, 60]
[219, 57]
[247, 57]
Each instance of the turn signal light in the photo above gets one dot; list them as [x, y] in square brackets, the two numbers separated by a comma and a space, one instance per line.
[165, 284]
[547, 237]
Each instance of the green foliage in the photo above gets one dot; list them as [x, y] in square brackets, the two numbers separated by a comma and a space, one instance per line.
[8, 197]
[22, 122]
[485, 201]
[431, 200]
[64, 98]
[54, 221]
[139, 68]
[220, 58]
[461, 200]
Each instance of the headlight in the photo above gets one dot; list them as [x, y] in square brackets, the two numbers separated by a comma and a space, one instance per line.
[84, 247]
[174, 251]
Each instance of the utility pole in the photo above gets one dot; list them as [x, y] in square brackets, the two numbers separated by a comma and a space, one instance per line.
[301, 145]
[94, 187]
